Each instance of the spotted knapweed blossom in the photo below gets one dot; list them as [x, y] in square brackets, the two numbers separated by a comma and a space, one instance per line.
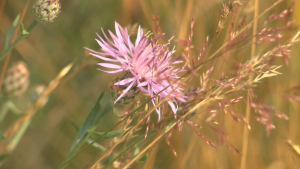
[148, 63]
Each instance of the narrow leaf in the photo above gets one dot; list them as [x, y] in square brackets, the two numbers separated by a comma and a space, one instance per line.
[108, 135]
[76, 127]
[116, 113]
[109, 105]
[82, 135]
[143, 158]
[10, 31]
[87, 124]
[136, 150]
[22, 30]
[88, 140]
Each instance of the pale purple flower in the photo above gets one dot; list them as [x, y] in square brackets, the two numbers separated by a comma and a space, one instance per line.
[149, 63]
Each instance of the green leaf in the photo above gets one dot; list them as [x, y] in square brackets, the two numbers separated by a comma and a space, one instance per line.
[10, 32]
[2, 137]
[169, 125]
[87, 124]
[108, 135]
[116, 113]
[95, 144]
[74, 125]
[82, 135]
[109, 105]
[22, 30]
[88, 140]
[136, 150]
[143, 158]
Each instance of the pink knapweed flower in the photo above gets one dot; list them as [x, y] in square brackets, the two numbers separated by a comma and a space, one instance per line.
[148, 62]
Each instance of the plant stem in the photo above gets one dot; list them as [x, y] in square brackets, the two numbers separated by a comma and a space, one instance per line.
[65, 163]
[248, 110]
[30, 27]
[13, 38]
[128, 148]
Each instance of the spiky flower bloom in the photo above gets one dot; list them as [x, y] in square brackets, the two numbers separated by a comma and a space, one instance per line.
[149, 64]
[46, 10]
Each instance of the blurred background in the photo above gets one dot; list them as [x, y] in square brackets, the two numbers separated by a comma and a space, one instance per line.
[50, 47]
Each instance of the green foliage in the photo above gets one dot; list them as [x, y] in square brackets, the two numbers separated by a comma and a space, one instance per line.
[108, 135]
[143, 158]
[3, 157]
[136, 151]
[2, 137]
[10, 31]
[90, 123]
[88, 140]
[22, 30]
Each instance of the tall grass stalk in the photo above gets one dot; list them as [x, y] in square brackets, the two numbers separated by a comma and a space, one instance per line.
[248, 110]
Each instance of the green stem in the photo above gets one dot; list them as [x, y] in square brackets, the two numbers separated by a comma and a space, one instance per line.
[65, 163]
[30, 27]
[128, 148]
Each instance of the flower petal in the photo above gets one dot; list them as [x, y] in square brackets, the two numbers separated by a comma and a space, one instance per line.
[108, 65]
[113, 71]
[125, 81]
[125, 91]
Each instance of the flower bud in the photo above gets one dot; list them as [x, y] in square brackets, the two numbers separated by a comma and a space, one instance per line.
[46, 10]
[16, 79]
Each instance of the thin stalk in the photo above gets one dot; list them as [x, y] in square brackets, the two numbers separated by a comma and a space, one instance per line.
[30, 27]
[12, 39]
[80, 151]
[245, 27]
[127, 148]
[248, 110]
[167, 130]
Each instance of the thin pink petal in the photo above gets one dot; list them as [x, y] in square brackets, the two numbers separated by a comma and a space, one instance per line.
[127, 89]
[125, 81]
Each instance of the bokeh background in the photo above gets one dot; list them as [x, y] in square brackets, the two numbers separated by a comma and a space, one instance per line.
[51, 46]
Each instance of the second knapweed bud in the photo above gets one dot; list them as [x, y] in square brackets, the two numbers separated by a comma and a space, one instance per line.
[16, 80]
[46, 10]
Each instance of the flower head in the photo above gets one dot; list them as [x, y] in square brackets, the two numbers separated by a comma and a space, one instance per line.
[149, 64]
[46, 10]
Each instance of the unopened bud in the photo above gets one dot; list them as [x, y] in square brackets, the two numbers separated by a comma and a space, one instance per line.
[16, 79]
[46, 10]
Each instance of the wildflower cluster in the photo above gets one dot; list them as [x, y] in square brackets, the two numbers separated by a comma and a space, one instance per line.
[148, 65]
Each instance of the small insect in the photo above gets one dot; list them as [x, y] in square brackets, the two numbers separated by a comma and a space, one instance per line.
[294, 147]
